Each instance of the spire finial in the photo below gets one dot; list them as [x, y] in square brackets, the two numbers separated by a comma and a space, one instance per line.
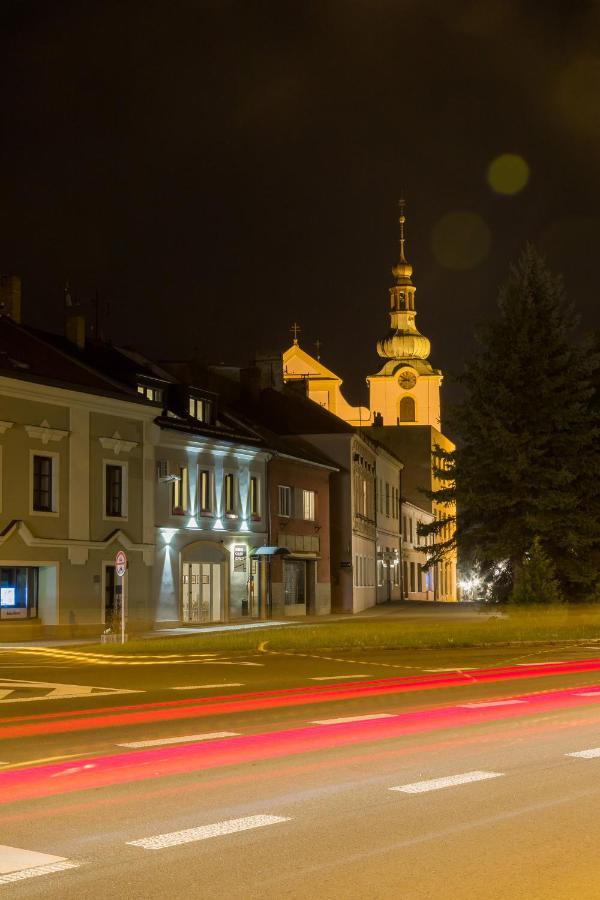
[295, 329]
[402, 220]
[318, 345]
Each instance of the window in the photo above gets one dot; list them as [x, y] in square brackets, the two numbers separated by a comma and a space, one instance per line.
[254, 497]
[229, 495]
[204, 491]
[410, 525]
[153, 394]
[285, 500]
[200, 408]
[407, 410]
[387, 499]
[43, 493]
[308, 505]
[180, 493]
[413, 577]
[114, 490]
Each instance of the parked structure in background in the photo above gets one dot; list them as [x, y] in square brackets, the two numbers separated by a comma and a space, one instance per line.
[404, 399]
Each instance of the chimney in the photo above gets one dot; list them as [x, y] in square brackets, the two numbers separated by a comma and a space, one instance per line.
[270, 366]
[75, 320]
[10, 296]
[75, 328]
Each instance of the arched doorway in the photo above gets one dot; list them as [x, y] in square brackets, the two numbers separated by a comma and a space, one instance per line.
[204, 586]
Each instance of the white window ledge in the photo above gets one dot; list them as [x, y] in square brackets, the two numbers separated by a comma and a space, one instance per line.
[117, 444]
[45, 433]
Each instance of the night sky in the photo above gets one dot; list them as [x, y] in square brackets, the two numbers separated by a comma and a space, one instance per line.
[217, 170]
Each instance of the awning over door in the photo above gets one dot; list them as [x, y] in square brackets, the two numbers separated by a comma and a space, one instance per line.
[269, 551]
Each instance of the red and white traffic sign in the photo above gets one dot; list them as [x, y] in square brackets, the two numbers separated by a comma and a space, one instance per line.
[121, 563]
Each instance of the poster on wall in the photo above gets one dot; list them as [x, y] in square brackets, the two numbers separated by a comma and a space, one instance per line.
[240, 552]
[7, 596]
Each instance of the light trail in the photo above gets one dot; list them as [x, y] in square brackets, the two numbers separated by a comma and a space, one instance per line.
[174, 710]
[125, 768]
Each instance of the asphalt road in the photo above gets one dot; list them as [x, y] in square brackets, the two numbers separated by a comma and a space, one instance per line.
[279, 775]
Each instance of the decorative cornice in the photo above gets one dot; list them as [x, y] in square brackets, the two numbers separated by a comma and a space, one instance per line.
[117, 444]
[45, 433]
[17, 526]
[4, 426]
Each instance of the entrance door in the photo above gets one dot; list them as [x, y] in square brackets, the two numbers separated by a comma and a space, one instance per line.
[201, 592]
[111, 610]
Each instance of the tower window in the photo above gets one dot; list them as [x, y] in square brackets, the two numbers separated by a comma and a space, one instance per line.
[407, 410]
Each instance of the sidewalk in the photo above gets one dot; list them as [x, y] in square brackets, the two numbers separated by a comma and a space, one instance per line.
[407, 609]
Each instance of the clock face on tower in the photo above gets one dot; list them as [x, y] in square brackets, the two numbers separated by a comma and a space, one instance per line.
[407, 379]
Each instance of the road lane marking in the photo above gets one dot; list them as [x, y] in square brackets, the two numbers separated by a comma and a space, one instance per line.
[17, 864]
[586, 754]
[230, 826]
[51, 690]
[436, 784]
[454, 669]
[488, 703]
[205, 687]
[550, 662]
[185, 739]
[353, 719]
[587, 694]
[36, 871]
[337, 677]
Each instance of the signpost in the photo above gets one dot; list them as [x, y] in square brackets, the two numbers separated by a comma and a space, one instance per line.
[121, 570]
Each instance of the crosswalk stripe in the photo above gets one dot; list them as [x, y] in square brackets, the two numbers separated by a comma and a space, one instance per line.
[586, 754]
[203, 832]
[436, 784]
[36, 871]
[184, 739]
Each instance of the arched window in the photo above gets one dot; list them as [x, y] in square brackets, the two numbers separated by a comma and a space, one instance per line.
[407, 410]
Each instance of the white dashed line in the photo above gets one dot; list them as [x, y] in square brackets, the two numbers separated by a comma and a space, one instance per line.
[206, 687]
[550, 662]
[454, 669]
[587, 694]
[586, 754]
[231, 826]
[185, 739]
[353, 719]
[489, 703]
[337, 677]
[436, 784]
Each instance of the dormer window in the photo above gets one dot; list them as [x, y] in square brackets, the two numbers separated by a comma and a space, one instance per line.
[153, 394]
[200, 408]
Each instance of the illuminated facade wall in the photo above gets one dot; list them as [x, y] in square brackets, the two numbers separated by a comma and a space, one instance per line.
[57, 536]
[209, 516]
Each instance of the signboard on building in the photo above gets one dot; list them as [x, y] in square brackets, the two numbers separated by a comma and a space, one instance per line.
[7, 596]
[240, 555]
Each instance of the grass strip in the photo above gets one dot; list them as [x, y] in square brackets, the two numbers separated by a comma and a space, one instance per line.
[381, 633]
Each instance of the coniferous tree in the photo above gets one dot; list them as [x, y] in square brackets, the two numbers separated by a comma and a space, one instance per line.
[535, 579]
[527, 462]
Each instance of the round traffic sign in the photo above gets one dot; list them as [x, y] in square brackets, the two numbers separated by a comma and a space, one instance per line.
[121, 563]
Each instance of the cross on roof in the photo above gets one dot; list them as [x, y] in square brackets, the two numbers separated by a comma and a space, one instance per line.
[295, 329]
[318, 346]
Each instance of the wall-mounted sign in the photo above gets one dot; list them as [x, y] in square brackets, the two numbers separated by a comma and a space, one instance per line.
[240, 554]
[7, 596]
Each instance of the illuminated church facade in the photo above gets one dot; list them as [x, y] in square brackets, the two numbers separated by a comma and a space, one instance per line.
[404, 411]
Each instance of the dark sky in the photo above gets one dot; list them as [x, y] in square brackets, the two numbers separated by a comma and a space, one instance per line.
[218, 169]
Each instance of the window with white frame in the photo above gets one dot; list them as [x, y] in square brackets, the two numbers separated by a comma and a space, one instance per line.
[200, 408]
[44, 482]
[254, 497]
[204, 491]
[180, 493]
[115, 490]
[308, 505]
[285, 500]
[229, 491]
[154, 394]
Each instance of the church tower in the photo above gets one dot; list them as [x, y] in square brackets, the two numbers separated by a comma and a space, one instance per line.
[406, 390]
